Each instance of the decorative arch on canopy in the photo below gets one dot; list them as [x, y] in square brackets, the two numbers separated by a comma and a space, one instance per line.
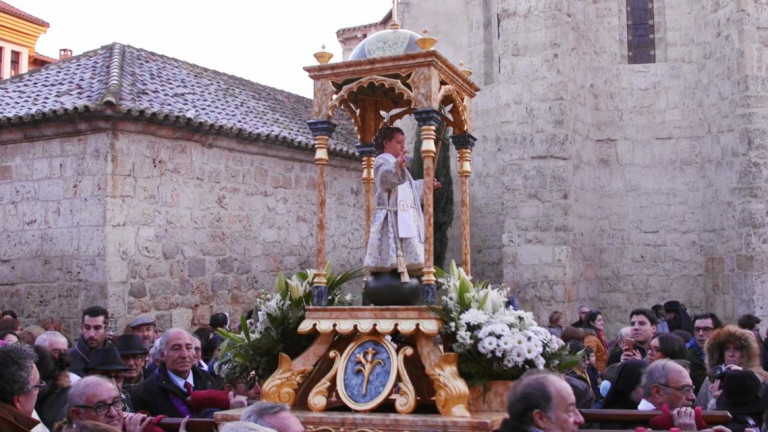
[459, 114]
[364, 99]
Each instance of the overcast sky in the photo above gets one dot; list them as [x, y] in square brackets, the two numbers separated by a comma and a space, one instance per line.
[264, 41]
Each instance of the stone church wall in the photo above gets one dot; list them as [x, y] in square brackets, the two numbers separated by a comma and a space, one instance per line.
[143, 219]
[610, 184]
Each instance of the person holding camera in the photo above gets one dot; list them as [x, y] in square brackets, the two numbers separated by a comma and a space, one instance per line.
[729, 348]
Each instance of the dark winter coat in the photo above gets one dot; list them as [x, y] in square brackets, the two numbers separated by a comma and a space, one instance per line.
[153, 395]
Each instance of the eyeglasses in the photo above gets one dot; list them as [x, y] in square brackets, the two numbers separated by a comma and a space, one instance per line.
[39, 386]
[703, 329]
[115, 375]
[681, 389]
[103, 408]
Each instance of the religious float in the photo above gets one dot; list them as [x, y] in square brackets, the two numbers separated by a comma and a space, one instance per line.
[395, 365]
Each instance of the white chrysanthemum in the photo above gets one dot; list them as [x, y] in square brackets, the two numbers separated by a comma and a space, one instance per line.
[474, 317]
[493, 329]
[518, 353]
[530, 351]
[506, 342]
[511, 361]
[464, 337]
[529, 335]
[541, 333]
[518, 339]
[537, 345]
[539, 362]
[487, 346]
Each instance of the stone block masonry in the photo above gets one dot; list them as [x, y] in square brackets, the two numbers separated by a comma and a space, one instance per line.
[613, 185]
[140, 223]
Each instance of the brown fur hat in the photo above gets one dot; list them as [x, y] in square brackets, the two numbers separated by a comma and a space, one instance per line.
[742, 339]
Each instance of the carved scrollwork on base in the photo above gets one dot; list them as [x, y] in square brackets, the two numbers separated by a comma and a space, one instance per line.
[282, 384]
[406, 399]
[318, 397]
[451, 391]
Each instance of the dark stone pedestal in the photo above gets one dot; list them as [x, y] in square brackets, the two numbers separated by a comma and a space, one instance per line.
[385, 289]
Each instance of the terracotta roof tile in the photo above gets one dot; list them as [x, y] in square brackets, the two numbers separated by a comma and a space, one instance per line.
[18, 13]
[141, 84]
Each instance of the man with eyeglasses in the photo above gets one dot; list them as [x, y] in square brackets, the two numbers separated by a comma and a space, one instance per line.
[134, 356]
[666, 382]
[19, 386]
[703, 326]
[96, 398]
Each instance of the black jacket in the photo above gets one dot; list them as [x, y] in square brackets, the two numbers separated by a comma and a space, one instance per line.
[153, 395]
[81, 356]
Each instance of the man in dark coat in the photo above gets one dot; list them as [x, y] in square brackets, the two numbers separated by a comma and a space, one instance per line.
[20, 385]
[583, 312]
[167, 391]
[93, 335]
[134, 357]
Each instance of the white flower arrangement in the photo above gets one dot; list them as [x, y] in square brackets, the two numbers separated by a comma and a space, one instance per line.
[493, 341]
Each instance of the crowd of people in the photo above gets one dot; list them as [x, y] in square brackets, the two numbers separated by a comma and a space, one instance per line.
[124, 383]
[664, 360]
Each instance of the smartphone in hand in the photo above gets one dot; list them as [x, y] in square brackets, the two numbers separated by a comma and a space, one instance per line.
[629, 344]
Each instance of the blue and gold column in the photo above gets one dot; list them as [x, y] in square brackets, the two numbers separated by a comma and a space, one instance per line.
[464, 143]
[368, 153]
[428, 119]
[321, 131]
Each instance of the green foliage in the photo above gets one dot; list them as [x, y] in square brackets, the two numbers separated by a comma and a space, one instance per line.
[277, 318]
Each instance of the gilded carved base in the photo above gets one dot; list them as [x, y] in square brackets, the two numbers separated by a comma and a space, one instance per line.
[355, 363]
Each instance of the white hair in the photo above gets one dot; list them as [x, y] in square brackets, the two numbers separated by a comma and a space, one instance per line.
[46, 336]
[79, 389]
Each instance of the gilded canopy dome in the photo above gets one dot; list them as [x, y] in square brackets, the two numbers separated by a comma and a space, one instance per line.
[386, 43]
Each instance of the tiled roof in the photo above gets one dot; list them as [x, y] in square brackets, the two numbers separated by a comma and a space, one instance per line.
[134, 83]
[18, 13]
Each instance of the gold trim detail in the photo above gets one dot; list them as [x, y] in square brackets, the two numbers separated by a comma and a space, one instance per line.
[406, 399]
[465, 169]
[452, 393]
[321, 150]
[282, 384]
[383, 326]
[426, 42]
[318, 397]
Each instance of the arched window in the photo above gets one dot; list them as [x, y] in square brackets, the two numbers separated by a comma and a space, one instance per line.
[641, 45]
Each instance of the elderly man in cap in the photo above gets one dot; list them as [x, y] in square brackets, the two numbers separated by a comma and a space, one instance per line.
[106, 362]
[144, 328]
[134, 357]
